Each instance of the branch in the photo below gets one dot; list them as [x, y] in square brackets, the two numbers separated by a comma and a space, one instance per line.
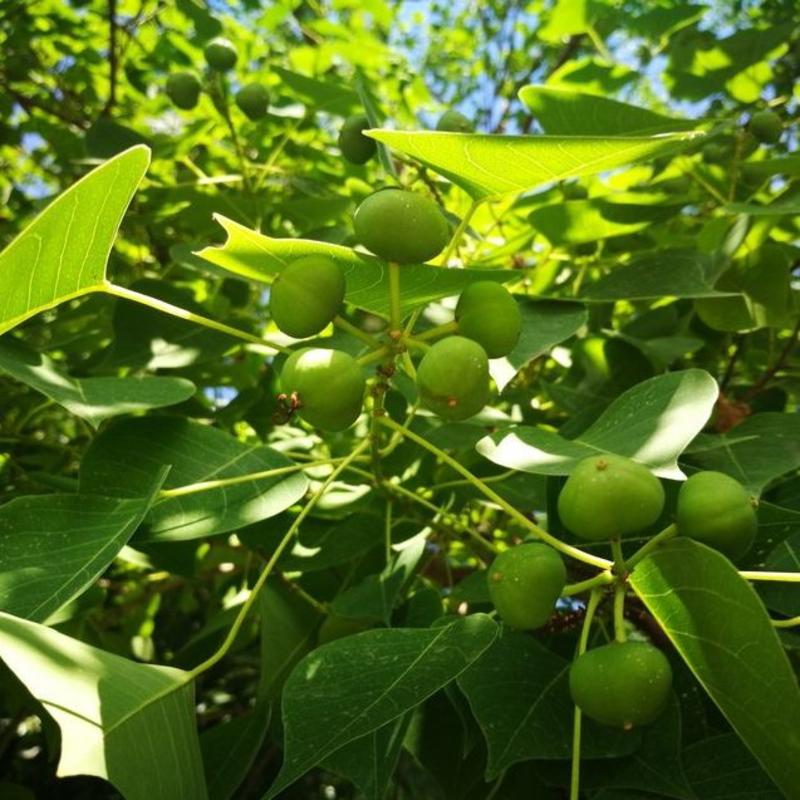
[112, 58]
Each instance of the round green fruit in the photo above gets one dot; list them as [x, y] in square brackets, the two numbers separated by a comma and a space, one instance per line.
[220, 54]
[766, 126]
[609, 496]
[455, 122]
[328, 385]
[355, 147]
[621, 684]
[253, 100]
[183, 89]
[524, 584]
[306, 296]
[488, 314]
[453, 378]
[717, 510]
[401, 226]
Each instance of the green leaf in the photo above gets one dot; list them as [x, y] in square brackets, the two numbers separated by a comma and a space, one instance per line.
[370, 761]
[479, 163]
[544, 325]
[122, 456]
[132, 724]
[257, 257]
[562, 111]
[784, 597]
[353, 686]
[723, 633]
[63, 253]
[669, 273]
[229, 750]
[652, 423]
[54, 546]
[93, 399]
[755, 452]
[518, 691]
[319, 95]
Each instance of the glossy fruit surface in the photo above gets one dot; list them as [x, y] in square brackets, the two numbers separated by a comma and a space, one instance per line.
[453, 378]
[355, 147]
[609, 496]
[766, 126]
[717, 510]
[621, 684]
[183, 89]
[328, 384]
[488, 314]
[253, 100]
[402, 226]
[220, 54]
[455, 122]
[306, 295]
[524, 584]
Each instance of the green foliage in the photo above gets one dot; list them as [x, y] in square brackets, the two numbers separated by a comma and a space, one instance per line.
[234, 564]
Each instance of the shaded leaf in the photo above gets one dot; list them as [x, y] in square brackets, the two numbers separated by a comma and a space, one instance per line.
[722, 631]
[651, 423]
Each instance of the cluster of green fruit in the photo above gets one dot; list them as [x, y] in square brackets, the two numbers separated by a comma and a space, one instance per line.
[609, 497]
[327, 386]
[183, 88]
[358, 149]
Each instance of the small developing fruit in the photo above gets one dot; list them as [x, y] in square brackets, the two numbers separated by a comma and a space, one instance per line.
[488, 314]
[455, 122]
[717, 510]
[453, 378]
[220, 54]
[306, 295]
[609, 496]
[253, 100]
[183, 89]
[401, 226]
[355, 147]
[327, 385]
[621, 684]
[524, 584]
[766, 126]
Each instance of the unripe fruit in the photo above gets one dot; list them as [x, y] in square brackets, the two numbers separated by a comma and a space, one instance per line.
[455, 122]
[253, 100]
[717, 510]
[306, 295]
[220, 54]
[609, 496]
[524, 584]
[401, 226]
[489, 315]
[327, 384]
[183, 89]
[355, 147]
[766, 126]
[621, 684]
[453, 378]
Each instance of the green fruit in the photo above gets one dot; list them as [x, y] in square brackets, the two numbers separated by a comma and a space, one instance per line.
[766, 126]
[455, 122]
[401, 226]
[355, 147]
[327, 384]
[453, 378]
[717, 510]
[621, 684]
[489, 315]
[524, 584]
[306, 296]
[183, 89]
[609, 496]
[253, 100]
[220, 54]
